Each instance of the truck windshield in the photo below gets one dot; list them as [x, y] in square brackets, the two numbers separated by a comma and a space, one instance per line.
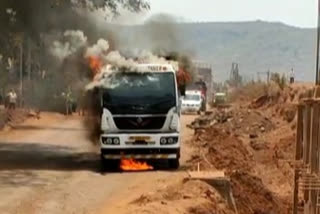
[193, 97]
[140, 93]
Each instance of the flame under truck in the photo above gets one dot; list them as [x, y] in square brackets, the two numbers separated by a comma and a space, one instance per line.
[141, 116]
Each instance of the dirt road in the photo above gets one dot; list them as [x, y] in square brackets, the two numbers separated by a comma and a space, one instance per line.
[47, 166]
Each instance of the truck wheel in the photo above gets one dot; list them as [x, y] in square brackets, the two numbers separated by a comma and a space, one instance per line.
[108, 165]
[174, 163]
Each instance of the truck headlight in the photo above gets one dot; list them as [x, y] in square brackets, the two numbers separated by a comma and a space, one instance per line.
[116, 141]
[110, 140]
[175, 125]
[163, 141]
[169, 140]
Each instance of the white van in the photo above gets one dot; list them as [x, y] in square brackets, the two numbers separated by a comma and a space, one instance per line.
[192, 102]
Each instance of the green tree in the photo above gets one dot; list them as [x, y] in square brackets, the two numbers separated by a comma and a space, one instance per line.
[34, 17]
[31, 21]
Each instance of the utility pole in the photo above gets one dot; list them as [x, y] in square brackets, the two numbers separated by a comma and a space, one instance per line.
[21, 72]
[29, 60]
[318, 44]
[235, 77]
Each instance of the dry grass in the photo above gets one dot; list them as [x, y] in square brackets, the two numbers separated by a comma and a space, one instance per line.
[249, 91]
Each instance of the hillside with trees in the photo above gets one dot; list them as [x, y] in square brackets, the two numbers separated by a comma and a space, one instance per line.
[257, 46]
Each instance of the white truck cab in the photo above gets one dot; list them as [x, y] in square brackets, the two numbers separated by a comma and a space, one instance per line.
[192, 101]
[140, 115]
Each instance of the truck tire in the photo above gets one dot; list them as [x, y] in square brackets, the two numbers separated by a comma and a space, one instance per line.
[174, 163]
[108, 165]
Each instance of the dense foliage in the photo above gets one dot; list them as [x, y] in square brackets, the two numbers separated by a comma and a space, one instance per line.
[29, 27]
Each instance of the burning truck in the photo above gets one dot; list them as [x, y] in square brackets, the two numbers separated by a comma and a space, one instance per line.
[140, 114]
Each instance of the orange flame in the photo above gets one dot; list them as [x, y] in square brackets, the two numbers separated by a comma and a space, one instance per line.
[95, 64]
[133, 165]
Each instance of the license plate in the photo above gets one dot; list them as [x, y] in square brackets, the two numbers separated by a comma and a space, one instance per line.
[140, 143]
[140, 138]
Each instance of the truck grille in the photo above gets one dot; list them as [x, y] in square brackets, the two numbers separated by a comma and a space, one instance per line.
[136, 123]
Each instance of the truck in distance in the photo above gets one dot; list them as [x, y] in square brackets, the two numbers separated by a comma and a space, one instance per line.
[192, 102]
[141, 116]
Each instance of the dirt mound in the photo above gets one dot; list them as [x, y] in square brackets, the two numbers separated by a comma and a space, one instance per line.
[252, 197]
[223, 150]
[285, 147]
[283, 153]
[287, 112]
[282, 103]
[211, 118]
[238, 121]
[184, 196]
[248, 122]
[254, 146]
[248, 92]
[274, 95]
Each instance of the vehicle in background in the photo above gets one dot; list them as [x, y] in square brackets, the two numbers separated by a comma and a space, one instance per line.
[200, 86]
[203, 77]
[192, 102]
[219, 99]
[141, 116]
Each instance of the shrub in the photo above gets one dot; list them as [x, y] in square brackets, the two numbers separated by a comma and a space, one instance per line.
[280, 80]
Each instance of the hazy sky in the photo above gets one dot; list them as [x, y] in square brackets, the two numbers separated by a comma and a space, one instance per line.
[302, 13]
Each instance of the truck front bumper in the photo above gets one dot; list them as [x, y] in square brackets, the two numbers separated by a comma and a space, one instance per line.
[140, 153]
[140, 146]
[190, 109]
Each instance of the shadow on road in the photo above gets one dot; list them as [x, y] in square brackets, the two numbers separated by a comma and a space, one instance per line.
[30, 127]
[36, 156]
[20, 163]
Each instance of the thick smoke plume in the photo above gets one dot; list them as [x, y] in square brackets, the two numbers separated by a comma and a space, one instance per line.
[87, 68]
[98, 49]
[44, 29]
[103, 59]
[71, 52]
[105, 62]
[73, 40]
